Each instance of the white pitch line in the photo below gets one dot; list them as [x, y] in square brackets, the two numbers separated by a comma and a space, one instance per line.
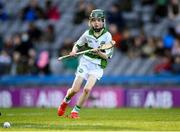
[24, 114]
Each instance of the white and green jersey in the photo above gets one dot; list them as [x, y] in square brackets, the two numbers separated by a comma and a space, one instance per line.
[89, 41]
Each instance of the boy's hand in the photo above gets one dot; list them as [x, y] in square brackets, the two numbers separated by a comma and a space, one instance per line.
[96, 51]
[72, 53]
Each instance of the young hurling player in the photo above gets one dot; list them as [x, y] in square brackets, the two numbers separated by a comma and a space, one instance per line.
[91, 64]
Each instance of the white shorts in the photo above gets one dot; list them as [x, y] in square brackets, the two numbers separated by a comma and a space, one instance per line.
[87, 68]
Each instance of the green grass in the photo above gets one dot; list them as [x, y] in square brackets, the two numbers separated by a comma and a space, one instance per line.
[126, 119]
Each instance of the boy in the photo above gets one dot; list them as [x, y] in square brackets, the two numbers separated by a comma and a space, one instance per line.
[91, 64]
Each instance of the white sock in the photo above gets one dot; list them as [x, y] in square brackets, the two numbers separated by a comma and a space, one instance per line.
[67, 100]
[76, 109]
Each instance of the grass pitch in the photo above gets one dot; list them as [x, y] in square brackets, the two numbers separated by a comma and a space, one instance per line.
[123, 119]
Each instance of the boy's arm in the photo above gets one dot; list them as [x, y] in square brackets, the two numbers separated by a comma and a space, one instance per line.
[78, 43]
[74, 50]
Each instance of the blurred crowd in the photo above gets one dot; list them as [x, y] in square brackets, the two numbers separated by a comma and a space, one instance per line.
[18, 53]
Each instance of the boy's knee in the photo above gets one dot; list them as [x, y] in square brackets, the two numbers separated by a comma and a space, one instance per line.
[74, 90]
[87, 91]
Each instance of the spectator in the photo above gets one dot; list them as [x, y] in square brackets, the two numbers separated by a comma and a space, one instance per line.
[125, 5]
[177, 31]
[114, 16]
[8, 46]
[83, 11]
[161, 10]
[173, 9]
[176, 56]
[89, 7]
[42, 63]
[34, 33]
[135, 50]
[51, 11]
[176, 65]
[168, 41]
[148, 48]
[164, 65]
[3, 15]
[164, 61]
[23, 53]
[32, 12]
[126, 41]
[5, 62]
[176, 48]
[116, 35]
[159, 47]
[80, 13]
[49, 34]
[69, 64]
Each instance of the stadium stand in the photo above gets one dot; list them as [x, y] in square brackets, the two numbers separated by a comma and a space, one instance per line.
[150, 44]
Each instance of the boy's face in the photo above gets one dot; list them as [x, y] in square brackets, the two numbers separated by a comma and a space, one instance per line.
[96, 23]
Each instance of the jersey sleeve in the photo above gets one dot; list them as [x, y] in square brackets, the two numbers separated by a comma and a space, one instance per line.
[109, 52]
[81, 41]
